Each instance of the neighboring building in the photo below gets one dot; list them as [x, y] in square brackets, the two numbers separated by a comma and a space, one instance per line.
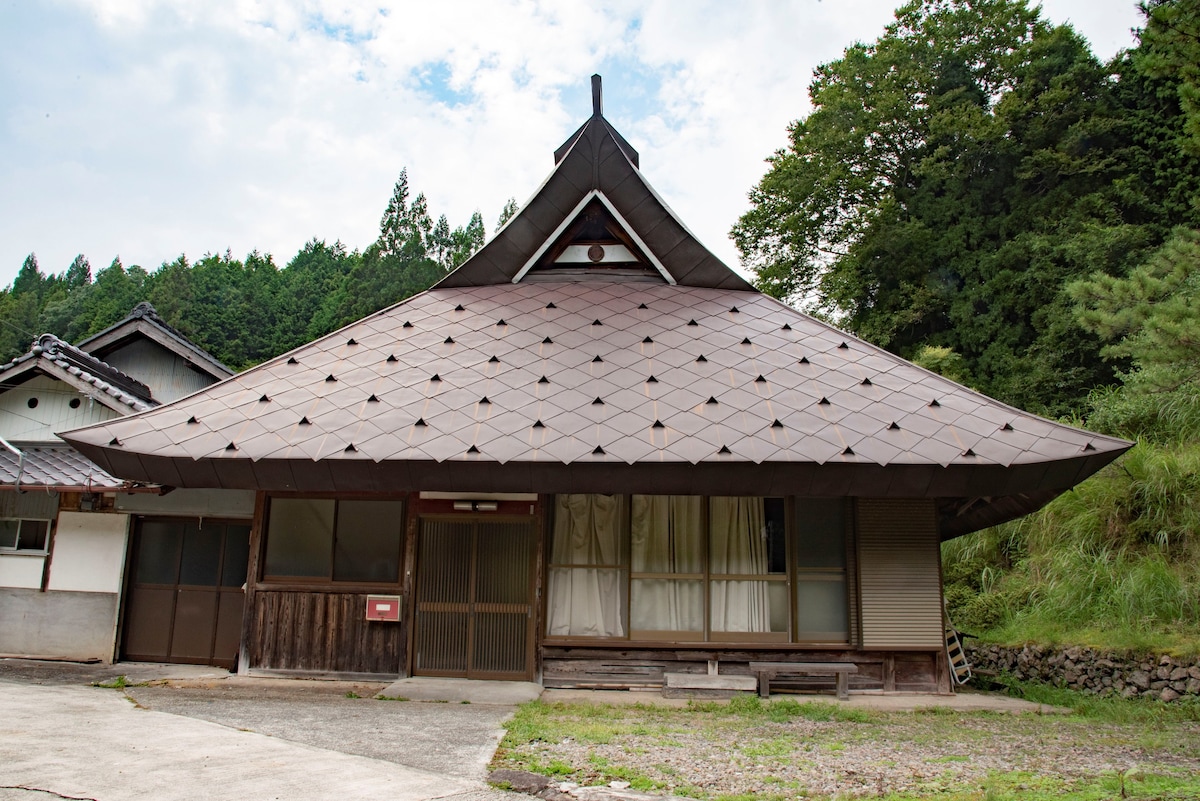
[593, 454]
[66, 524]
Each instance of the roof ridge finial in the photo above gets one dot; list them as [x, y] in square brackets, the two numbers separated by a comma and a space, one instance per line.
[597, 97]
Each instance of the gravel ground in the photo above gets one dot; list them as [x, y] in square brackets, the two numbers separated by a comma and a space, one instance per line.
[888, 752]
[452, 739]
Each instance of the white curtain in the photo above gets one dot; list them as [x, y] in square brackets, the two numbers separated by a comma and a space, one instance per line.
[738, 545]
[667, 537]
[586, 602]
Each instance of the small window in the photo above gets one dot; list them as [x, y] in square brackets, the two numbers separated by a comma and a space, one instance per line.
[324, 539]
[26, 536]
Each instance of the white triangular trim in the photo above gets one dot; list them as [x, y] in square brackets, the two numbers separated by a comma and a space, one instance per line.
[570, 218]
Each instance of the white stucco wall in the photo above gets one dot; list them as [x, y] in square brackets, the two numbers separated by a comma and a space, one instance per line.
[89, 552]
[21, 570]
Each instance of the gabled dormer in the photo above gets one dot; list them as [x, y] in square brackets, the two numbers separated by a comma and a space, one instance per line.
[595, 218]
[146, 348]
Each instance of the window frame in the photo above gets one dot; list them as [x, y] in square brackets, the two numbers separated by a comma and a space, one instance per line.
[707, 636]
[17, 550]
[280, 580]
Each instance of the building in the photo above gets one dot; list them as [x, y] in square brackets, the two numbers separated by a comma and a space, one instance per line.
[594, 454]
[66, 525]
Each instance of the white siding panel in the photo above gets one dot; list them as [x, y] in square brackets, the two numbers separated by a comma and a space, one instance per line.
[89, 552]
[53, 412]
[899, 574]
[22, 571]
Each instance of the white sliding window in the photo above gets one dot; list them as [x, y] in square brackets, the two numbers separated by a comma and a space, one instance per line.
[747, 568]
[586, 593]
[666, 589]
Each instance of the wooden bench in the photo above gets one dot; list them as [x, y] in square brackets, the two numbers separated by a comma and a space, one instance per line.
[773, 670]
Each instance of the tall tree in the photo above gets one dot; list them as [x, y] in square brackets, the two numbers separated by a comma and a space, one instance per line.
[953, 176]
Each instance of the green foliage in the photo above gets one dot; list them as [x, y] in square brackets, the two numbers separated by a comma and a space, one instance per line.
[943, 361]
[955, 174]
[1114, 563]
[245, 311]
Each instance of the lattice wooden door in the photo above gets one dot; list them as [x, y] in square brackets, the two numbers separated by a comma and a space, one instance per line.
[475, 592]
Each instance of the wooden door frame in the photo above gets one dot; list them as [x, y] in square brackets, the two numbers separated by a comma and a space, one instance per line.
[135, 530]
[533, 594]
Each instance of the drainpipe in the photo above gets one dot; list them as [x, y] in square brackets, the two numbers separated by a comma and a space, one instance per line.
[20, 460]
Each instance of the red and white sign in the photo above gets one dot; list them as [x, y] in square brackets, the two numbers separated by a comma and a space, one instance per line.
[384, 607]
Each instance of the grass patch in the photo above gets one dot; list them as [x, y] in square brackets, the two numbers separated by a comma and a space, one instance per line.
[391, 698]
[1111, 709]
[352, 694]
[119, 683]
[792, 746]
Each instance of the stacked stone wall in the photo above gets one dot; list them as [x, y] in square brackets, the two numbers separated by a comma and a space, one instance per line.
[1102, 672]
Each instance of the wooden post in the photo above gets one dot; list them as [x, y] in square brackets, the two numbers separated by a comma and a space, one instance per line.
[257, 540]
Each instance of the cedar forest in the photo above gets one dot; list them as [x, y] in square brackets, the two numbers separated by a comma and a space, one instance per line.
[974, 191]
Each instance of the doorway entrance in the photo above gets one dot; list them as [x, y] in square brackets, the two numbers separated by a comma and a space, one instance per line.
[185, 598]
[475, 599]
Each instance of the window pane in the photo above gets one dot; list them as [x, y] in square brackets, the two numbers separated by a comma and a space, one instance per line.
[666, 605]
[8, 533]
[34, 535]
[237, 554]
[742, 537]
[158, 552]
[821, 532]
[201, 555]
[300, 537]
[667, 534]
[584, 602]
[821, 608]
[589, 530]
[368, 541]
[749, 606]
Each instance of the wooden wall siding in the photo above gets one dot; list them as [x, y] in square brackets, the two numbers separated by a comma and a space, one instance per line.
[32, 505]
[322, 632]
[169, 376]
[899, 574]
[597, 668]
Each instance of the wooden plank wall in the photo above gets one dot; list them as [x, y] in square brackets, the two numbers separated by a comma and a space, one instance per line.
[322, 632]
[602, 668]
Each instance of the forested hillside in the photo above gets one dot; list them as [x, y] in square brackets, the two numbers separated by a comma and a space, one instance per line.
[976, 192]
[244, 311]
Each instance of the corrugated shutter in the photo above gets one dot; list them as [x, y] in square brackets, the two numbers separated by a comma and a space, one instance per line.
[899, 577]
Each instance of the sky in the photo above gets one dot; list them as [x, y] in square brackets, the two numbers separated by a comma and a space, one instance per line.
[146, 129]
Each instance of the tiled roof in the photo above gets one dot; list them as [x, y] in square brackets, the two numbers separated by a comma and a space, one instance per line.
[54, 467]
[595, 375]
[62, 360]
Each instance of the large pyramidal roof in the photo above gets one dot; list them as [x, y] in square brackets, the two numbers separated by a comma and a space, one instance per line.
[594, 345]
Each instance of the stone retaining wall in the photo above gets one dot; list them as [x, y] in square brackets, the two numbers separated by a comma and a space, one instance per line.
[1101, 672]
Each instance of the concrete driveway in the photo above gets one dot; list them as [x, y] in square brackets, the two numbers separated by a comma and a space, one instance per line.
[207, 735]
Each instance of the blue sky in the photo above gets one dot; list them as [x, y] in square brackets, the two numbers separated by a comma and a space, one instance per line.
[145, 129]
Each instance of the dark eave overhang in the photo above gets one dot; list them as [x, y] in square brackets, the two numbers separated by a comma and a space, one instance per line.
[970, 497]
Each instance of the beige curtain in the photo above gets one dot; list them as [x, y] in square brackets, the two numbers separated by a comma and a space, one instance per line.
[587, 602]
[667, 537]
[738, 544]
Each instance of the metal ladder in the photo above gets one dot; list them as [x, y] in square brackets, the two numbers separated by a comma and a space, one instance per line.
[960, 668]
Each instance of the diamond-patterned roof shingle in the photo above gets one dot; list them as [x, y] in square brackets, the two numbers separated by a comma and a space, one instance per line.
[878, 412]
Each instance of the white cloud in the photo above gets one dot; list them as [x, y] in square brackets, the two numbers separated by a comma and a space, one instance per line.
[147, 129]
